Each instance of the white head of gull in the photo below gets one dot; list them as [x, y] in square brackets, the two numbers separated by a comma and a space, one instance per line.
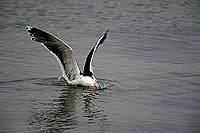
[66, 58]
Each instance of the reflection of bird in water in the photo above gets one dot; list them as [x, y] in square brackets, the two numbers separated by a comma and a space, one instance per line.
[73, 108]
[57, 115]
[66, 58]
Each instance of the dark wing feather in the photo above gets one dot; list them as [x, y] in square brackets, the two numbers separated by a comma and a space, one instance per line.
[61, 50]
[88, 62]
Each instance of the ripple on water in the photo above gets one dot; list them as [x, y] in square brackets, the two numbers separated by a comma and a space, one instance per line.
[55, 106]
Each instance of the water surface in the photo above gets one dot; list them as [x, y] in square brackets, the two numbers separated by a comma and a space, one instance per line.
[149, 65]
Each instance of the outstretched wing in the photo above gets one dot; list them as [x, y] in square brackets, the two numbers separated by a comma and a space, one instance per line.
[88, 62]
[60, 50]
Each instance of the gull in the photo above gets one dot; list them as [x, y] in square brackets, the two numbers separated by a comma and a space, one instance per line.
[66, 57]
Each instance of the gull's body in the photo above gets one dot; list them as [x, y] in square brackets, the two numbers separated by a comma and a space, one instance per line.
[84, 80]
[66, 58]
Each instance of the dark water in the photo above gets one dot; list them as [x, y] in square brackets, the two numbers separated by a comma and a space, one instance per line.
[150, 66]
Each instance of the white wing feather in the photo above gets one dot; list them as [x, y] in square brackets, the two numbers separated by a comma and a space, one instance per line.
[63, 52]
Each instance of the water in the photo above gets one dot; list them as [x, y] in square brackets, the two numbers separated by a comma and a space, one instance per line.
[149, 65]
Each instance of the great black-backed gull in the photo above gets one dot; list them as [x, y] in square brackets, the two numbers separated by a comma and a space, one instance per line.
[66, 58]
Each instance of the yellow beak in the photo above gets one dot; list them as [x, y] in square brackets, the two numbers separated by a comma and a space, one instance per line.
[95, 87]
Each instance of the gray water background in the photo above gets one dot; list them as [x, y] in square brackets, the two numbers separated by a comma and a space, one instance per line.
[149, 65]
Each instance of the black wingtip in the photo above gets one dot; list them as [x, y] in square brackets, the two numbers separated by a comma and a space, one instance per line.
[102, 38]
[28, 28]
[106, 32]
